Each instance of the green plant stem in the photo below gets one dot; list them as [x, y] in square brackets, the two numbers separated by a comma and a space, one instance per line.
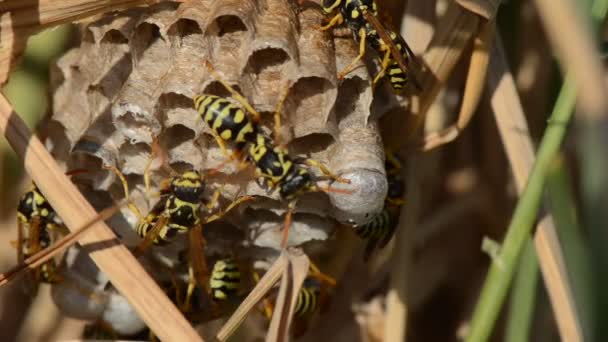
[501, 273]
[594, 164]
[575, 245]
[523, 296]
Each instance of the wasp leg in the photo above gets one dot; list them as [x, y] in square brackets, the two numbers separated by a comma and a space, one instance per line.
[214, 198]
[236, 202]
[386, 61]
[187, 304]
[237, 96]
[338, 19]
[324, 169]
[125, 189]
[288, 219]
[478, 68]
[316, 273]
[277, 117]
[353, 64]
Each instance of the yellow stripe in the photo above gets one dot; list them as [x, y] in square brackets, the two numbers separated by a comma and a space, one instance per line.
[226, 134]
[221, 115]
[239, 116]
[248, 128]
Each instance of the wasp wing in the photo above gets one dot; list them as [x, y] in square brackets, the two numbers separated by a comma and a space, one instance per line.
[197, 257]
[403, 64]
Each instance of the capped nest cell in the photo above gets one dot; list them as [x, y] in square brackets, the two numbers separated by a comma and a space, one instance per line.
[131, 82]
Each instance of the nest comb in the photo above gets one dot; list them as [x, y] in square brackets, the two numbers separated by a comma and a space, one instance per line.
[133, 76]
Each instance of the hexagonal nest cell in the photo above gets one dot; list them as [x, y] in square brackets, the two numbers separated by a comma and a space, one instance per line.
[131, 81]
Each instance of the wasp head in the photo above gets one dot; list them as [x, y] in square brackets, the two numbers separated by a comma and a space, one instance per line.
[188, 186]
[297, 182]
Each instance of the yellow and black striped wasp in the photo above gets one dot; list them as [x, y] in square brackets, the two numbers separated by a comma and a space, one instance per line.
[178, 212]
[224, 291]
[36, 220]
[381, 228]
[361, 17]
[274, 166]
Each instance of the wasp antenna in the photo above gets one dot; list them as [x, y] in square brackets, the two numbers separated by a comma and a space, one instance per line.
[335, 190]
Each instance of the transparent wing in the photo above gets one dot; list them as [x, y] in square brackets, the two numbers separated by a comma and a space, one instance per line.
[197, 257]
[394, 50]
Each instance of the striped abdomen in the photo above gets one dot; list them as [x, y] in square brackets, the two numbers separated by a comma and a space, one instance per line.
[307, 298]
[225, 279]
[226, 119]
[377, 228]
[396, 76]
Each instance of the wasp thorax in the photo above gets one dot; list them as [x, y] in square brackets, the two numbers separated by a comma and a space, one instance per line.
[296, 183]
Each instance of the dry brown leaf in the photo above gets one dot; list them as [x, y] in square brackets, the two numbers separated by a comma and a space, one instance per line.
[474, 87]
[454, 33]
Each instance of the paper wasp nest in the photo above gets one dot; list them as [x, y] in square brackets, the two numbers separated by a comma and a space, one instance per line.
[132, 79]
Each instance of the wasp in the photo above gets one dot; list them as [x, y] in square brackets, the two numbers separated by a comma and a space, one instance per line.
[361, 17]
[36, 218]
[227, 121]
[381, 228]
[176, 213]
[275, 167]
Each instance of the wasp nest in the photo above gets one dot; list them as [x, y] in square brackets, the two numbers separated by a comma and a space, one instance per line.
[129, 87]
[133, 78]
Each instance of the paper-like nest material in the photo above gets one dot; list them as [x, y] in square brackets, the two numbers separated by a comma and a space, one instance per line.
[134, 75]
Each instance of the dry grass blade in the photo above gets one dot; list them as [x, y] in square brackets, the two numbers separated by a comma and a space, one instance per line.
[270, 278]
[21, 18]
[578, 55]
[513, 129]
[123, 270]
[485, 8]
[47, 253]
[474, 86]
[454, 34]
[294, 275]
